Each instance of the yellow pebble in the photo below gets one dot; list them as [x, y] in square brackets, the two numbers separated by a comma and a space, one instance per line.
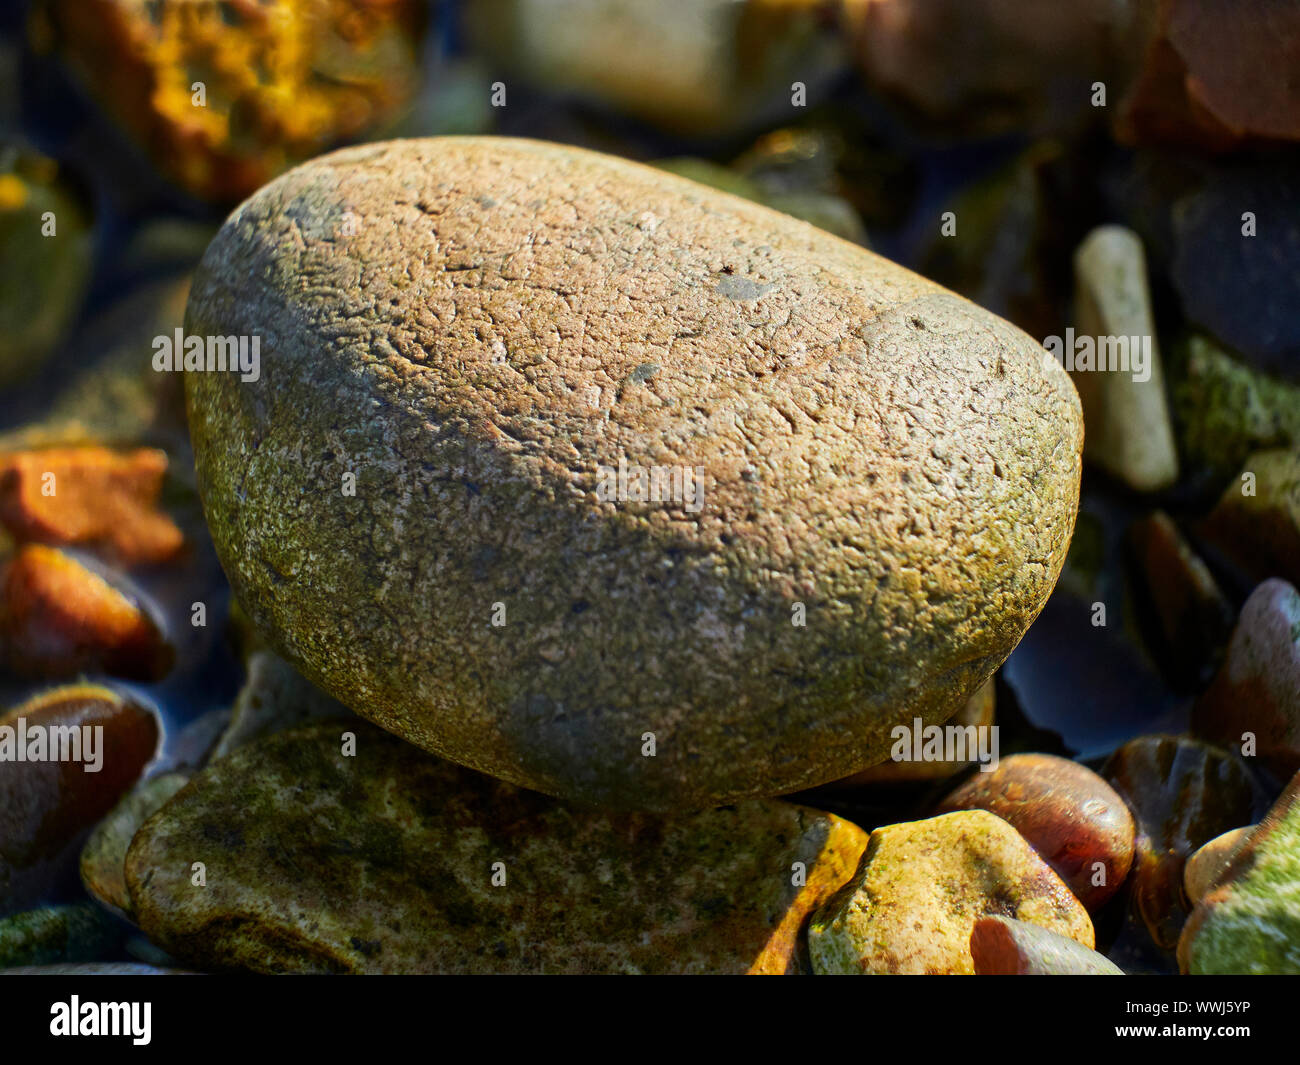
[13, 192]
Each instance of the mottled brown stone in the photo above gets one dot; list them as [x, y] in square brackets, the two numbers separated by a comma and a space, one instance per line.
[1182, 794]
[47, 807]
[1255, 698]
[1065, 811]
[475, 327]
[384, 862]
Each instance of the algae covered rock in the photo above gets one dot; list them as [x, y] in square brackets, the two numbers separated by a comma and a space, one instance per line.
[920, 890]
[1250, 922]
[50, 935]
[389, 860]
[611, 485]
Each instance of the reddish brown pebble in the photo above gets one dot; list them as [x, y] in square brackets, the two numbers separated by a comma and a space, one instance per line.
[89, 496]
[1194, 617]
[1072, 817]
[1003, 946]
[1254, 703]
[47, 807]
[59, 618]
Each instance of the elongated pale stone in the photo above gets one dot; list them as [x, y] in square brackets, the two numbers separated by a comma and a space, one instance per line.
[1129, 431]
[472, 347]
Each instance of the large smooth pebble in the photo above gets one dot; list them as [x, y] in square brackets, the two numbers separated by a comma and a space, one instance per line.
[464, 339]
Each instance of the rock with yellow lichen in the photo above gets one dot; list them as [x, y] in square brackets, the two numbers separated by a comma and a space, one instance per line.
[922, 886]
[225, 94]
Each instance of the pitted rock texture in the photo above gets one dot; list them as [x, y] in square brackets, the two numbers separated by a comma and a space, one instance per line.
[474, 327]
[391, 861]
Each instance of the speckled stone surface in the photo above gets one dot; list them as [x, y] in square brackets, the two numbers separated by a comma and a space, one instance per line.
[921, 887]
[387, 862]
[475, 327]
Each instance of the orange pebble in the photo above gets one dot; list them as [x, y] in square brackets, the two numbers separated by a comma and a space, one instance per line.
[91, 496]
[59, 618]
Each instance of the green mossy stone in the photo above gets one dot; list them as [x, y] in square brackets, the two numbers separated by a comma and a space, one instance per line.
[392, 861]
[78, 932]
[1250, 923]
[475, 328]
[1224, 410]
[1256, 522]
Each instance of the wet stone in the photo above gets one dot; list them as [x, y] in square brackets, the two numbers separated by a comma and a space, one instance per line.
[1003, 946]
[1250, 921]
[1256, 695]
[1208, 865]
[60, 618]
[1182, 794]
[1065, 811]
[48, 807]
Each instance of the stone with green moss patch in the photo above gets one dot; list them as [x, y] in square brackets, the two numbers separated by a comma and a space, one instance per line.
[464, 341]
[1250, 922]
[390, 860]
